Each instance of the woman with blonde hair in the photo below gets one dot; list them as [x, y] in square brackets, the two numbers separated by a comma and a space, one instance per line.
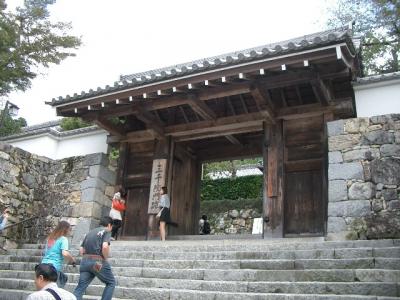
[57, 249]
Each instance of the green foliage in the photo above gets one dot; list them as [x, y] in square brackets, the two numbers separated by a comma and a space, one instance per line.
[227, 167]
[220, 206]
[378, 23]
[28, 41]
[10, 126]
[246, 187]
[72, 123]
[114, 153]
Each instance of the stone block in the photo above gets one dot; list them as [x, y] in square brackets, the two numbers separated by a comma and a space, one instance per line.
[4, 156]
[389, 150]
[377, 205]
[83, 226]
[337, 190]
[346, 171]
[103, 173]
[378, 137]
[397, 137]
[109, 190]
[86, 209]
[361, 154]
[91, 195]
[335, 157]
[96, 159]
[343, 142]
[394, 205]
[74, 197]
[29, 180]
[4, 147]
[93, 183]
[389, 194]
[336, 224]
[386, 171]
[350, 208]
[335, 128]
[356, 125]
[361, 190]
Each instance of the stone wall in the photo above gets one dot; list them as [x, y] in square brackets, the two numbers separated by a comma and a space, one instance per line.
[76, 189]
[364, 178]
[233, 221]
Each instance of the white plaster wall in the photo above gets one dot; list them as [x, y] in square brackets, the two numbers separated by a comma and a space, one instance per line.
[82, 145]
[58, 148]
[377, 98]
[43, 145]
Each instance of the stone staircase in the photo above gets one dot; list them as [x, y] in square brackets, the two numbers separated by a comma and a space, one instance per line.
[230, 269]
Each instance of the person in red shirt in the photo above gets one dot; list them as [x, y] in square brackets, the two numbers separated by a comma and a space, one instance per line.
[117, 208]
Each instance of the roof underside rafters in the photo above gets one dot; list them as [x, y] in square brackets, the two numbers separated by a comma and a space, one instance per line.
[229, 102]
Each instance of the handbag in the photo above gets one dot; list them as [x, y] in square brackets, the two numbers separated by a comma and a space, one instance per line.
[159, 213]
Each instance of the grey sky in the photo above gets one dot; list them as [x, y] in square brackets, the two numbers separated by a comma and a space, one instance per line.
[126, 36]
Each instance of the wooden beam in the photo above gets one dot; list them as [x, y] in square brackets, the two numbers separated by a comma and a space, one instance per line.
[321, 91]
[302, 111]
[231, 108]
[246, 110]
[150, 121]
[299, 94]
[140, 136]
[201, 108]
[261, 104]
[233, 140]
[110, 127]
[183, 114]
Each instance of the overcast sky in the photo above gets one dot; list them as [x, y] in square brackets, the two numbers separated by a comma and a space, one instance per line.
[127, 36]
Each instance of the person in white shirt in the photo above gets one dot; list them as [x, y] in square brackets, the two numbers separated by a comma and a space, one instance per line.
[45, 281]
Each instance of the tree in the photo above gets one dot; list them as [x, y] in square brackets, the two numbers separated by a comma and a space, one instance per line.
[227, 167]
[378, 23]
[29, 41]
[72, 123]
[9, 125]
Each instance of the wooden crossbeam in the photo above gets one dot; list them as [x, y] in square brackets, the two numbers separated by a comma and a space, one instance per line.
[110, 127]
[321, 92]
[261, 103]
[200, 108]
[233, 140]
[150, 121]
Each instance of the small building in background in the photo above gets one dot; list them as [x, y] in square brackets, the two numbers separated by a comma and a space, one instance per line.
[49, 140]
[377, 95]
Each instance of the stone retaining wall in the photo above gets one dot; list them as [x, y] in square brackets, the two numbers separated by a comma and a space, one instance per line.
[76, 189]
[233, 221]
[364, 178]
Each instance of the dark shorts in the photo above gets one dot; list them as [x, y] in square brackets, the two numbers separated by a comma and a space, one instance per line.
[165, 215]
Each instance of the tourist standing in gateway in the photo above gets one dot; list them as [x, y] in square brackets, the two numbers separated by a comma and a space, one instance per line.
[95, 250]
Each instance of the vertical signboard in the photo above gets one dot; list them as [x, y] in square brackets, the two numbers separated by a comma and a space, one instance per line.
[158, 180]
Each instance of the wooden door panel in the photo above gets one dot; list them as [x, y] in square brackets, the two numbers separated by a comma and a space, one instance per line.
[304, 207]
[136, 217]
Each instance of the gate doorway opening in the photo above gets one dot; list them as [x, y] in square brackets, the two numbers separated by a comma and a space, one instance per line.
[231, 195]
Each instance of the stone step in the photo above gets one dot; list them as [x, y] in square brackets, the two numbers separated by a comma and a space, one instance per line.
[241, 245]
[334, 275]
[393, 252]
[271, 264]
[356, 288]
[141, 294]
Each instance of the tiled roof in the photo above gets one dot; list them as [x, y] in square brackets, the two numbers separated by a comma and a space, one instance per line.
[294, 45]
[377, 78]
[51, 128]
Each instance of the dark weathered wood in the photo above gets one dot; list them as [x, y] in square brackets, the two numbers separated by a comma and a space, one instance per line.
[122, 163]
[150, 121]
[136, 217]
[261, 102]
[233, 140]
[201, 108]
[275, 181]
[110, 127]
[184, 194]
[303, 203]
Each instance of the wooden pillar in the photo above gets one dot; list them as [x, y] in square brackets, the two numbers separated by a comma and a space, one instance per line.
[158, 179]
[273, 210]
[122, 163]
[325, 165]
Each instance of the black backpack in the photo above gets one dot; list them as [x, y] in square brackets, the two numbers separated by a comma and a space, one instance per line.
[206, 228]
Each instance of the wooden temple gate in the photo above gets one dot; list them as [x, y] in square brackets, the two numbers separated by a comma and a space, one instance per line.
[269, 102]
